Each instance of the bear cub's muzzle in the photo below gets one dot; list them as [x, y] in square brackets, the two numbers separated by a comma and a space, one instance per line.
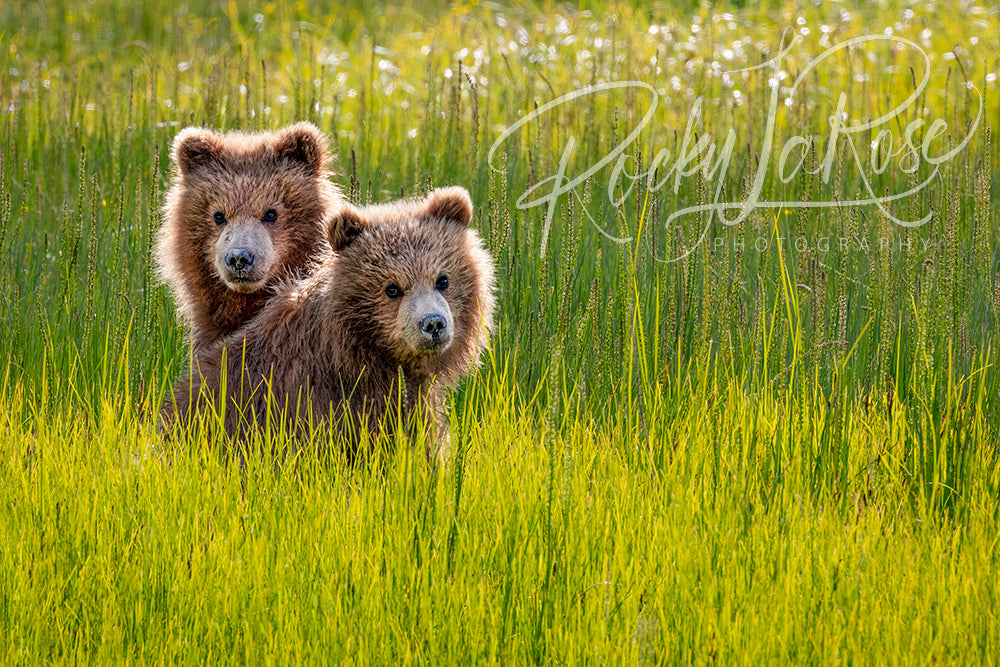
[244, 256]
[426, 322]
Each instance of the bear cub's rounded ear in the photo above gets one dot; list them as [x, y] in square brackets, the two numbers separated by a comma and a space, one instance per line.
[452, 204]
[346, 226]
[195, 147]
[303, 142]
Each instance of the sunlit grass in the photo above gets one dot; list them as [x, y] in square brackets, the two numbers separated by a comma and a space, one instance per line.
[780, 455]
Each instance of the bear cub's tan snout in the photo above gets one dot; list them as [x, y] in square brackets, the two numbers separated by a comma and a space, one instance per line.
[245, 256]
[434, 327]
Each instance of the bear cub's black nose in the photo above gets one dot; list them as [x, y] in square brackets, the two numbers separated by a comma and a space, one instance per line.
[239, 259]
[433, 325]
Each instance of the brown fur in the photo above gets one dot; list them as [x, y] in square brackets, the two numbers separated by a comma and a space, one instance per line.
[336, 343]
[242, 176]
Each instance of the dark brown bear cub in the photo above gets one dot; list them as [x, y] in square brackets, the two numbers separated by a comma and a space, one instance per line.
[245, 212]
[409, 294]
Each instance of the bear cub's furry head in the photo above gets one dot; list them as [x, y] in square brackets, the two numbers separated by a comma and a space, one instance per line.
[420, 285]
[245, 211]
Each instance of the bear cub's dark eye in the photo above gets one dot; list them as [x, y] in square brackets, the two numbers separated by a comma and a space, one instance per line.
[393, 291]
[220, 218]
[270, 216]
[442, 283]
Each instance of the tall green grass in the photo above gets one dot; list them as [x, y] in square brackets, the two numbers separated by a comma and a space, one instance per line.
[744, 456]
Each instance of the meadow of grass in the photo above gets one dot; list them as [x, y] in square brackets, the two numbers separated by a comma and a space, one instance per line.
[780, 455]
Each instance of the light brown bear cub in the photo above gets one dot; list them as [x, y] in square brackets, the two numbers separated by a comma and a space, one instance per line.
[408, 294]
[245, 212]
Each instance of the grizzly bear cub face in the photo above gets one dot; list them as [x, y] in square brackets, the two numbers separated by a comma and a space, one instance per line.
[420, 282]
[245, 211]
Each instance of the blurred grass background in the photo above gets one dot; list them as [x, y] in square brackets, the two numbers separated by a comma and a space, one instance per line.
[780, 455]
